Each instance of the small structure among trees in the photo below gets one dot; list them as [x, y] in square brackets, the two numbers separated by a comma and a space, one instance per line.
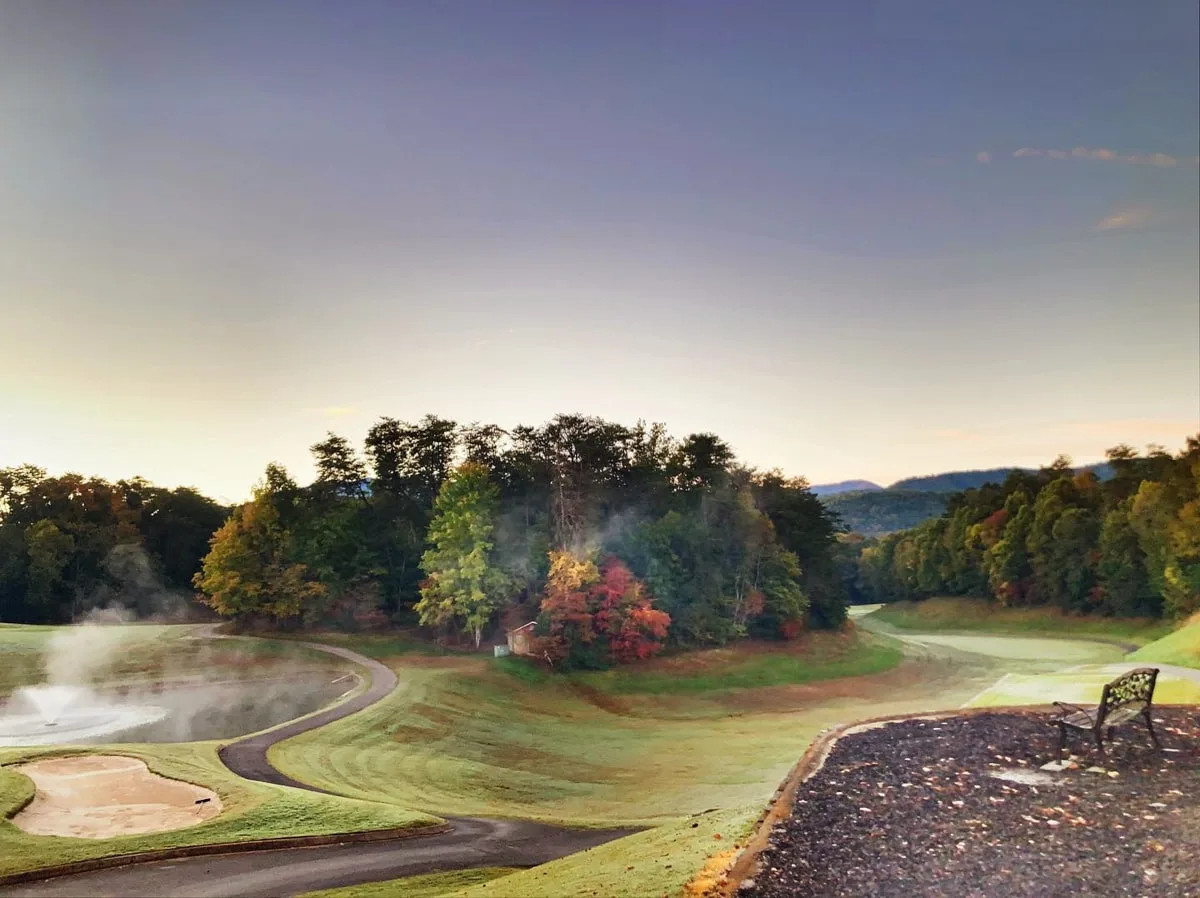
[522, 640]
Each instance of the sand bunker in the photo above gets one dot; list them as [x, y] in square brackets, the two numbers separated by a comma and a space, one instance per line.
[101, 796]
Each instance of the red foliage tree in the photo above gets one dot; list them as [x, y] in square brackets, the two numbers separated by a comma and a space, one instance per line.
[608, 607]
[635, 629]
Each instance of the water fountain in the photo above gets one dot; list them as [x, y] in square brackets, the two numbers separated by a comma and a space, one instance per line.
[58, 714]
[83, 697]
[65, 709]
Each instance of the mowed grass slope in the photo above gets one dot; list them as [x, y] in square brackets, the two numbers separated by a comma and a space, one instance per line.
[660, 861]
[468, 736]
[949, 614]
[251, 810]
[1181, 647]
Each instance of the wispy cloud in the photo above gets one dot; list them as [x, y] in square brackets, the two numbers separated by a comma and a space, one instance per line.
[1133, 217]
[983, 157]
[1159, 160]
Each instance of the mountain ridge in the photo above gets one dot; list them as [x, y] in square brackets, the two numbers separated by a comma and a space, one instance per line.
[875, 511]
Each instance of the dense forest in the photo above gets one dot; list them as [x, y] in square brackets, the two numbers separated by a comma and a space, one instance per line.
[617, 540]
[71, 543]
[907, 503]
[878, 512]
[1128, 545]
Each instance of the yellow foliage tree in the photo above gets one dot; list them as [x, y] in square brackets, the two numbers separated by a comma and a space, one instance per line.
[248, 571]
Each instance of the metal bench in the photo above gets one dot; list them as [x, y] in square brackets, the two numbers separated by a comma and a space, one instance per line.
[1124, 699]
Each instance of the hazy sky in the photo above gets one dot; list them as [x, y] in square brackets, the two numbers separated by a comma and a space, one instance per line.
[868, 239]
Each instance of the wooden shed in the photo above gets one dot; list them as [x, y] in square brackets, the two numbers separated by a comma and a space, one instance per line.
[521, 639]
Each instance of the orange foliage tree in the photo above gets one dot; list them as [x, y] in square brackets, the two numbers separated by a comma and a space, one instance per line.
[595, 616]
[634, 628]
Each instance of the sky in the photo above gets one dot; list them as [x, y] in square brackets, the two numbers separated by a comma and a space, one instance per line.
[855, 239]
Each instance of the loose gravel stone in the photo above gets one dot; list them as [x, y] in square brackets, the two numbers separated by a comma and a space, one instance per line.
[916, 809]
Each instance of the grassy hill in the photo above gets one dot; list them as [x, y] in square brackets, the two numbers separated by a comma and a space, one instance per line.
[957, 614]
[1181, 647]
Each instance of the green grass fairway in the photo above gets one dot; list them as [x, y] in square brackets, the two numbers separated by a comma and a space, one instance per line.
[465, 736]
[1081, 686]
[1029, 650]
[660, 861]
[431, 885]
[1181, 647]
[251, 810]
[949, 614]
[823, 656]
[391, 644]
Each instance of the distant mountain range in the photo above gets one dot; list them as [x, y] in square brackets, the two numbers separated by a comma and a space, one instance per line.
[950, 482]
[868, 508]
[845, 486]
[957, 481]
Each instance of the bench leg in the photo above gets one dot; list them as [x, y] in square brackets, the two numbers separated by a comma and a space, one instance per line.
[1099, 734]
[1150, 727]
[1062, 740]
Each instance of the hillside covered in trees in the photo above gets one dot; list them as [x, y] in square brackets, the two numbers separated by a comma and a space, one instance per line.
[878, 512]
[957, 481]
[1128, 545]
[906, 503]
[618, 540]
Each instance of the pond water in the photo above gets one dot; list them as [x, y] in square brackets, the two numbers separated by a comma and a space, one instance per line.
[174, 711]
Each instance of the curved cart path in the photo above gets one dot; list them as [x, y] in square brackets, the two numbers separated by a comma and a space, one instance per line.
[473, 842]
[291, 871]
[247, 757]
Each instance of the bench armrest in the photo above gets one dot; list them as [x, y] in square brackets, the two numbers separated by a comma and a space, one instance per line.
[1066, 711]
[1068, 706]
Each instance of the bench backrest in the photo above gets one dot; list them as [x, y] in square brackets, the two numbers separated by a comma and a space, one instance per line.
[1135, 688]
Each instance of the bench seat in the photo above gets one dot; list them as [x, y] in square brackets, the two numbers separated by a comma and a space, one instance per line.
[1125, 699]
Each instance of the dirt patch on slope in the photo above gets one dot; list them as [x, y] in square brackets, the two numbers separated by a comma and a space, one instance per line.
[102, 796]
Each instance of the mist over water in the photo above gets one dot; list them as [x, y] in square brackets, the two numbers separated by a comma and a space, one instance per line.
[108, 678]
[76, 654]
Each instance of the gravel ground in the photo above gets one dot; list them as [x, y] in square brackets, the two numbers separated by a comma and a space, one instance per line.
[916, 809]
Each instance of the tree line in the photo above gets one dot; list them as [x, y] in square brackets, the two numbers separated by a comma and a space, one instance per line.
[618, 540]
[71, 543]
[1125, 546]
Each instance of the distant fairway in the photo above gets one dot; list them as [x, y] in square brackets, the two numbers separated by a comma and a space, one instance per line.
[956, 614]
[1181, 647]
[1022, 648]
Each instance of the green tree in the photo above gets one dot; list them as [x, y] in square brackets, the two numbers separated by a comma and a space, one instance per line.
[1150, 516]
[339, 469]
[1124, 588]
[462, 583]
[49, 551]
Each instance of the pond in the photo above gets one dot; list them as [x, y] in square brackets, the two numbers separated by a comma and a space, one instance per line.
[169, 712]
